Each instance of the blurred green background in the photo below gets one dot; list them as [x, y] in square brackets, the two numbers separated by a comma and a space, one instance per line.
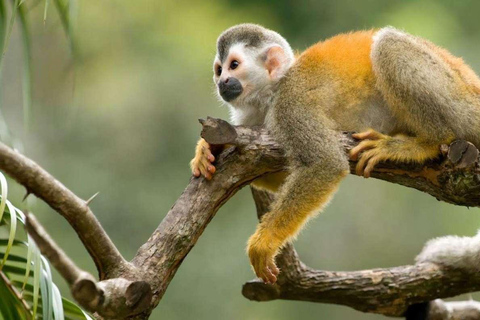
[123, 122]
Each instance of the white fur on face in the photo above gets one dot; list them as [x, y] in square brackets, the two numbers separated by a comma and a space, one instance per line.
[251, 106]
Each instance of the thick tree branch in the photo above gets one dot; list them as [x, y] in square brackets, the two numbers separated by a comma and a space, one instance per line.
[454, 177]
[39, 182]
[252, 153]
[161, 256]
[388, 291]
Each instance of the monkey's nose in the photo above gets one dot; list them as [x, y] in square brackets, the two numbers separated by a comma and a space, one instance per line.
[230, 88]
[228, 81]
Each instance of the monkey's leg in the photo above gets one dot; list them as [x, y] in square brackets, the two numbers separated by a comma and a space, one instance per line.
[314, 176]
[303, 194]
[430, 100]
[428, 97]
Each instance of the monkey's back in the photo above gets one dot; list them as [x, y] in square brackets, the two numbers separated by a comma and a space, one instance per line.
[345, 56]
[338, 74]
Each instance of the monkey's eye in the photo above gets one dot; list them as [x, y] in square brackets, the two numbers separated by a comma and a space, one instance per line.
[234, 64]
[219, 71]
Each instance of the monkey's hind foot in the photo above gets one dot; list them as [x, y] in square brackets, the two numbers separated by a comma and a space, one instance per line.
[370, 151]
[376, 147]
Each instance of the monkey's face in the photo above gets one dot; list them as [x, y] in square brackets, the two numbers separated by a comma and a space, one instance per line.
[241, 74]
[230, 75]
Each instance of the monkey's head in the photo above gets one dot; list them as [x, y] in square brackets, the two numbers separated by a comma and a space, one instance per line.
[249, 59]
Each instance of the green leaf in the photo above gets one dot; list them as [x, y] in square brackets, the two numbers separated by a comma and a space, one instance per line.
[13, 230]
[45, 296]
[3, 200]
[14, 270]
[10, 26]
[29, 261]
[10, 306]
[47, 290]
[27, 69]
[20, 216]
[13, 257]
[7, 30]
[45, 11]
[57, 304]
[3, 29]
[36, 286]
[4, 242]
[67, 15]
[37, 262]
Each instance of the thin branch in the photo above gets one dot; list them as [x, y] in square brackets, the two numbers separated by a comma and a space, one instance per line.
[57, 257]
[388, 291]
[39, 182]
[116, 297]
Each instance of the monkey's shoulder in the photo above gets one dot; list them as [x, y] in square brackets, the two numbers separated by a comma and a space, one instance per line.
[346, 55]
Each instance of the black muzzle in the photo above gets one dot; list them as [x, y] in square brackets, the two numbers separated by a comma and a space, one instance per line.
[230, 89]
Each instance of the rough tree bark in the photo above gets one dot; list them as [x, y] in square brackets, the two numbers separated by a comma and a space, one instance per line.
[131, 290]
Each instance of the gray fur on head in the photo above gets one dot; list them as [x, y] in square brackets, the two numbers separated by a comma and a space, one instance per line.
[252, 35]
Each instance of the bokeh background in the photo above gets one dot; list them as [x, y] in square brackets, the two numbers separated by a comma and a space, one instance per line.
[123, 121]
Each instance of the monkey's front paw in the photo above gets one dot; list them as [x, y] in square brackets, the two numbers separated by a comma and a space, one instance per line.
[263, 263]
[370, 151]
[202, 163]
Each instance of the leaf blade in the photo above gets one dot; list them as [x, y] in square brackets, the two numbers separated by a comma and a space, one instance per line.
[11, 236]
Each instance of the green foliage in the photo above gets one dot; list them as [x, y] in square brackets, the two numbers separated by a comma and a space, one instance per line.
[27, 293]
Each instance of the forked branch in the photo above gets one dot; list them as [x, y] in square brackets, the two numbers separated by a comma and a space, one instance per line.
[454, 177]
[109, 298]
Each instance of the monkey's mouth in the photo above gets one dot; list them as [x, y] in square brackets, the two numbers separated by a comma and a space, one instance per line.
[230, 90]
[230, 95]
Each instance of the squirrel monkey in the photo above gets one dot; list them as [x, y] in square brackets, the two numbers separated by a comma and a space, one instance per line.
[402, 94]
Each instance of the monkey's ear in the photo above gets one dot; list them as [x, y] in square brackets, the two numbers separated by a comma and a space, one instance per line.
[275, 62]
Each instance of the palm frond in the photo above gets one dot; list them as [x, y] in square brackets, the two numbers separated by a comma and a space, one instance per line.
[27, 289]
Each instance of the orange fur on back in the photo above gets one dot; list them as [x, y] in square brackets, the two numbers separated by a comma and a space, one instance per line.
[347, 54]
